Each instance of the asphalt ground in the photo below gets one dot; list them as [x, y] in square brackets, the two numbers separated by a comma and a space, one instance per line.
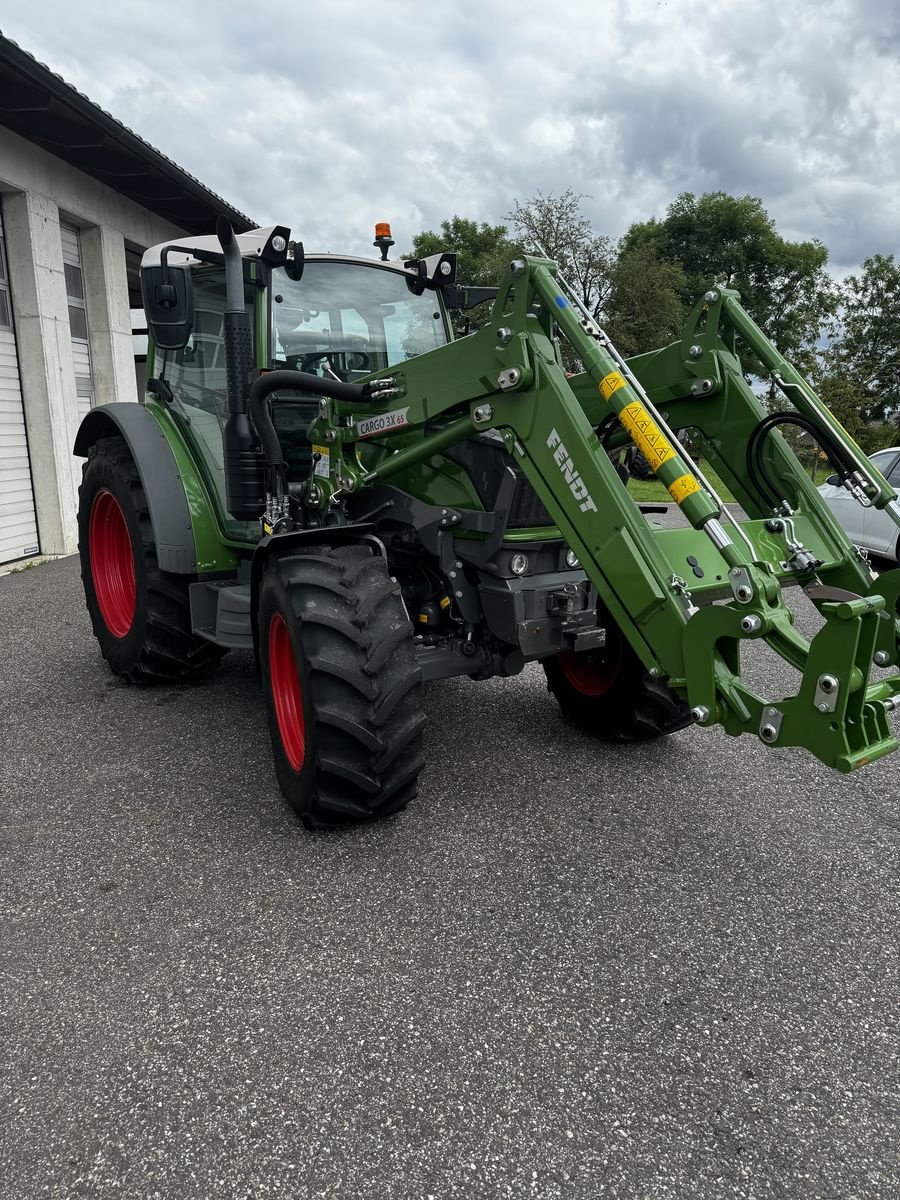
[569, 970]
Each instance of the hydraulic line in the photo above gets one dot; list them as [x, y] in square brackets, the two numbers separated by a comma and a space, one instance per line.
[756, 466]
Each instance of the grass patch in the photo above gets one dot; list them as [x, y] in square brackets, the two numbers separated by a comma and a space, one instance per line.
[26, 566]
[651, 491]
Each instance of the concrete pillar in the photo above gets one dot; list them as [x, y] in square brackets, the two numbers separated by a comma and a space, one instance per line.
[41, 312]
[108, 314]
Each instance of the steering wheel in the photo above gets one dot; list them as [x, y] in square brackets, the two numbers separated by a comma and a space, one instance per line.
[357, 360]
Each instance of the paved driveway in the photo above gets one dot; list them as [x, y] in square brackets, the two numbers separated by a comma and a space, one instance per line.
[569, 971]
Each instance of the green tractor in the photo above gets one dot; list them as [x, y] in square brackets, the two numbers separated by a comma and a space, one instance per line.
[321, 474]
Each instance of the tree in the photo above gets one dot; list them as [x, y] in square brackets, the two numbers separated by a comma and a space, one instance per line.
[866, 351]
[732, 241]
[644, 308]
[484, 253]
[556, 226]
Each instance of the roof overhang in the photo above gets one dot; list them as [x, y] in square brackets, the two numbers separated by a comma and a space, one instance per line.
[42, 108]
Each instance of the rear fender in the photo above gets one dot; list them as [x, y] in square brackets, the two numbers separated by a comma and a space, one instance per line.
[182, 515]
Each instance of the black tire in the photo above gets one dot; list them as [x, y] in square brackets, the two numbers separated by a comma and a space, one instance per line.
[338, 661]
[146, 638]
[608, 692]
[639, 468]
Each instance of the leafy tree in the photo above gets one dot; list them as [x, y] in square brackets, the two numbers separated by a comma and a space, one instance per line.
[556, 226]
[484, 253]
[845, 400]
[732, 241]
[644, 309]
[866, 352]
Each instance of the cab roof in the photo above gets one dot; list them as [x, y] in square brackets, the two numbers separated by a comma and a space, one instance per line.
[251, 245]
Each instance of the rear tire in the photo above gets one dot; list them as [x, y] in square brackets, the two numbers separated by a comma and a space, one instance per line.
[140, 614]
[609, 694]
[343, 691]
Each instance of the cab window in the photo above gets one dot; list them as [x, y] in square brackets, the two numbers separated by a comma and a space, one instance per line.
[348, 320]
[197, 378]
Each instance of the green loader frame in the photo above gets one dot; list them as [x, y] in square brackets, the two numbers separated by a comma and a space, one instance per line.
[660, 584]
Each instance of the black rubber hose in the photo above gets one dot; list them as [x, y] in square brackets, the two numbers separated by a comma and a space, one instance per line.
[294, 381]
[756, 466]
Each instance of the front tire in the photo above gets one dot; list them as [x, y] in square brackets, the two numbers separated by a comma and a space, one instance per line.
[343, 691]
[608, 692]
[140, 614]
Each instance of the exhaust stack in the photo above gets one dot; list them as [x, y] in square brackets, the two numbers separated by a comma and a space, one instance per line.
[245, 488]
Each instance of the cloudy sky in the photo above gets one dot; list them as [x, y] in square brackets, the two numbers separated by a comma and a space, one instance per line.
[328, 117]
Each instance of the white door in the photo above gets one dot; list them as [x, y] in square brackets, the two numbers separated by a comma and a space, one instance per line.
[78, 321]
[847, 509]
[18, 526]
[880, 534]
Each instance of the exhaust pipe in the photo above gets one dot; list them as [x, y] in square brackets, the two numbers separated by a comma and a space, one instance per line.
[245, 487]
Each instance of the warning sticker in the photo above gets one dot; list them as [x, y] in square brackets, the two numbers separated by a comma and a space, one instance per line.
[323, 464]
[648, 437]
[611, 383]
[682, 487]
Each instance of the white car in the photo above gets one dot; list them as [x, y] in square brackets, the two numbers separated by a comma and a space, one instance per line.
[867, 527]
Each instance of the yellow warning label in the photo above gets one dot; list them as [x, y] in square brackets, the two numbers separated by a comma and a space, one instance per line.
[611, 383]
[648, 437]
[682, 487]
[323, 463]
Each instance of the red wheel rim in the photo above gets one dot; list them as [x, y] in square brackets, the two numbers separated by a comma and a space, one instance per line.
[591, 674]
[112, 563]
[285, 683]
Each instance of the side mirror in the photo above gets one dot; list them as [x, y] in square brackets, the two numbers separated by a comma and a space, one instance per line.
[168, 296]
[436, 271]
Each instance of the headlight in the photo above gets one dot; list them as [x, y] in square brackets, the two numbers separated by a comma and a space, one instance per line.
[572, 559]
[518, 564]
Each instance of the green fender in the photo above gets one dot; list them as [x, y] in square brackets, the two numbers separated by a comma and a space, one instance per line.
[188, 541]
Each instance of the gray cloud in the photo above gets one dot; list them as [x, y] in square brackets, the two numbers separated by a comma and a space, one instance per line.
[330, 118]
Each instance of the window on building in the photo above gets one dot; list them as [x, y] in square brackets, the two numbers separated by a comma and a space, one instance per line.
[5, 300]
[78, 317]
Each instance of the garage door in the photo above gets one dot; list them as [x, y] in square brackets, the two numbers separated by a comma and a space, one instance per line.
[18, 527]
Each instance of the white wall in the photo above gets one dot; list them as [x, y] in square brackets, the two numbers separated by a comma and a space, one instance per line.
[37, 188]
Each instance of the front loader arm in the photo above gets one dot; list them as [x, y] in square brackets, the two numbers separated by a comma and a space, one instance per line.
[660, 585]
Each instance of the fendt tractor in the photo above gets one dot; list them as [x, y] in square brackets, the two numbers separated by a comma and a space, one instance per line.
[322, 474]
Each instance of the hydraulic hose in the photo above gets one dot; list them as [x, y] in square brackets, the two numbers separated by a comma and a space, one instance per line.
[756, 467]
[295, 381]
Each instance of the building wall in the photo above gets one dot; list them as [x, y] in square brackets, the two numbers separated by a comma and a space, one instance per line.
[38, 191]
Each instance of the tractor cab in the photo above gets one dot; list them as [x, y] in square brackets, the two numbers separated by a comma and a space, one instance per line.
[331, 316]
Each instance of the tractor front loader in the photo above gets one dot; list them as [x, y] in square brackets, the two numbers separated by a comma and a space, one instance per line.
[320, 474]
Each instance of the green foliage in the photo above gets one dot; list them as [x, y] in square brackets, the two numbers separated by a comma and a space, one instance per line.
[484, 252]
[644, 309]
[845, 400]
[866, 353]
[732, 241]
[556, 226]
[642, 293]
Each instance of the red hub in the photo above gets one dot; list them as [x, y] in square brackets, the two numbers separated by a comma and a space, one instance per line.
[285, 684]
[594, 673]
[112, 563]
